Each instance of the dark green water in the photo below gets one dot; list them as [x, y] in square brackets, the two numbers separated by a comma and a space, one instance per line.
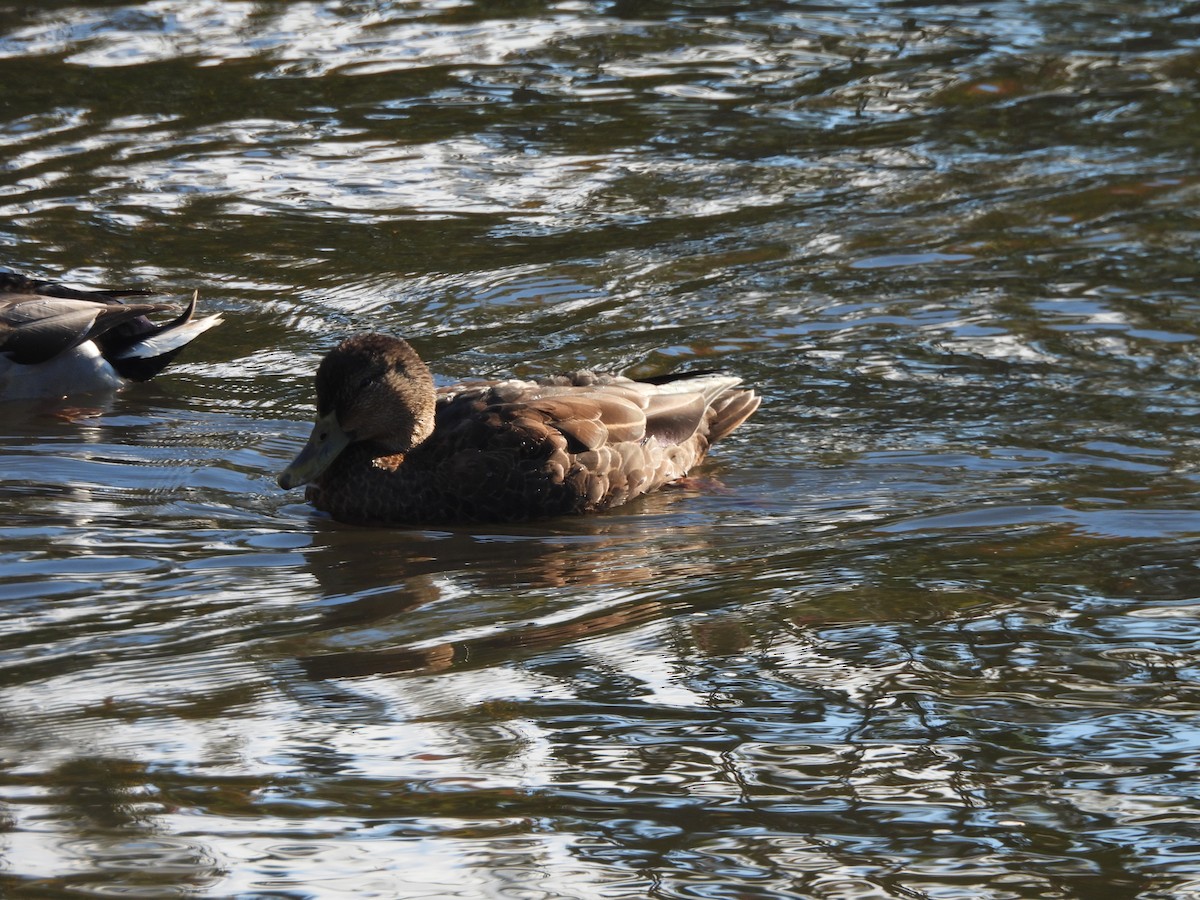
[931, 630]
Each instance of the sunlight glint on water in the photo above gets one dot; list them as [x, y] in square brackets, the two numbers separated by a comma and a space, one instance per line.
[926, 626]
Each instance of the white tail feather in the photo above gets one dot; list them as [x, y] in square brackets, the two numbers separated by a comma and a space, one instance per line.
[171, 339]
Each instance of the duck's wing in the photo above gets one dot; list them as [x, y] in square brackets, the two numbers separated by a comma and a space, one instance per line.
[594, 409]
[588, 419]
[674, 410]
[516, 449]
[35, 328]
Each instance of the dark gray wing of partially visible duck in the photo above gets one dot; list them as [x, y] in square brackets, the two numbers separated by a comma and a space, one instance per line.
[56, 339]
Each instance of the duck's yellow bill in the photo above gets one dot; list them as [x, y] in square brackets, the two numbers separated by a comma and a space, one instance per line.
[324, 444]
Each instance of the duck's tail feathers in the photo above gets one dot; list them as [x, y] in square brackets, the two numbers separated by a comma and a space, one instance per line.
[152, 351]
[727, 405]
[730, 410]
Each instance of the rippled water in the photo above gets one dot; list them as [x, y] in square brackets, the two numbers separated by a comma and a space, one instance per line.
[929, 628]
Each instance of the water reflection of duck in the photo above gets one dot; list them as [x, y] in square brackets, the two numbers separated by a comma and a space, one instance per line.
[429, 601]
[482, 650]
[388, 448]
[57, 340]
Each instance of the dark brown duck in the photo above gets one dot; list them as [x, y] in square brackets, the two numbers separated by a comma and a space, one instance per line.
[388, 448]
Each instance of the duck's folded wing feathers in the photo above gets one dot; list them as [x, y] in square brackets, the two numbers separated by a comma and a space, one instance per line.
[674, 418]
[34, 329]
[592, 419]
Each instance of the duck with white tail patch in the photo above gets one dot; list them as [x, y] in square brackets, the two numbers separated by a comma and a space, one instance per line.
[57, 341]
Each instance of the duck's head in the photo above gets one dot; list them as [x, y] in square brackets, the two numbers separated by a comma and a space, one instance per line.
[372, 389]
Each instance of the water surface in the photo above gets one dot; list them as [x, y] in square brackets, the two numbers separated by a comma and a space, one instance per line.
[929, 626]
